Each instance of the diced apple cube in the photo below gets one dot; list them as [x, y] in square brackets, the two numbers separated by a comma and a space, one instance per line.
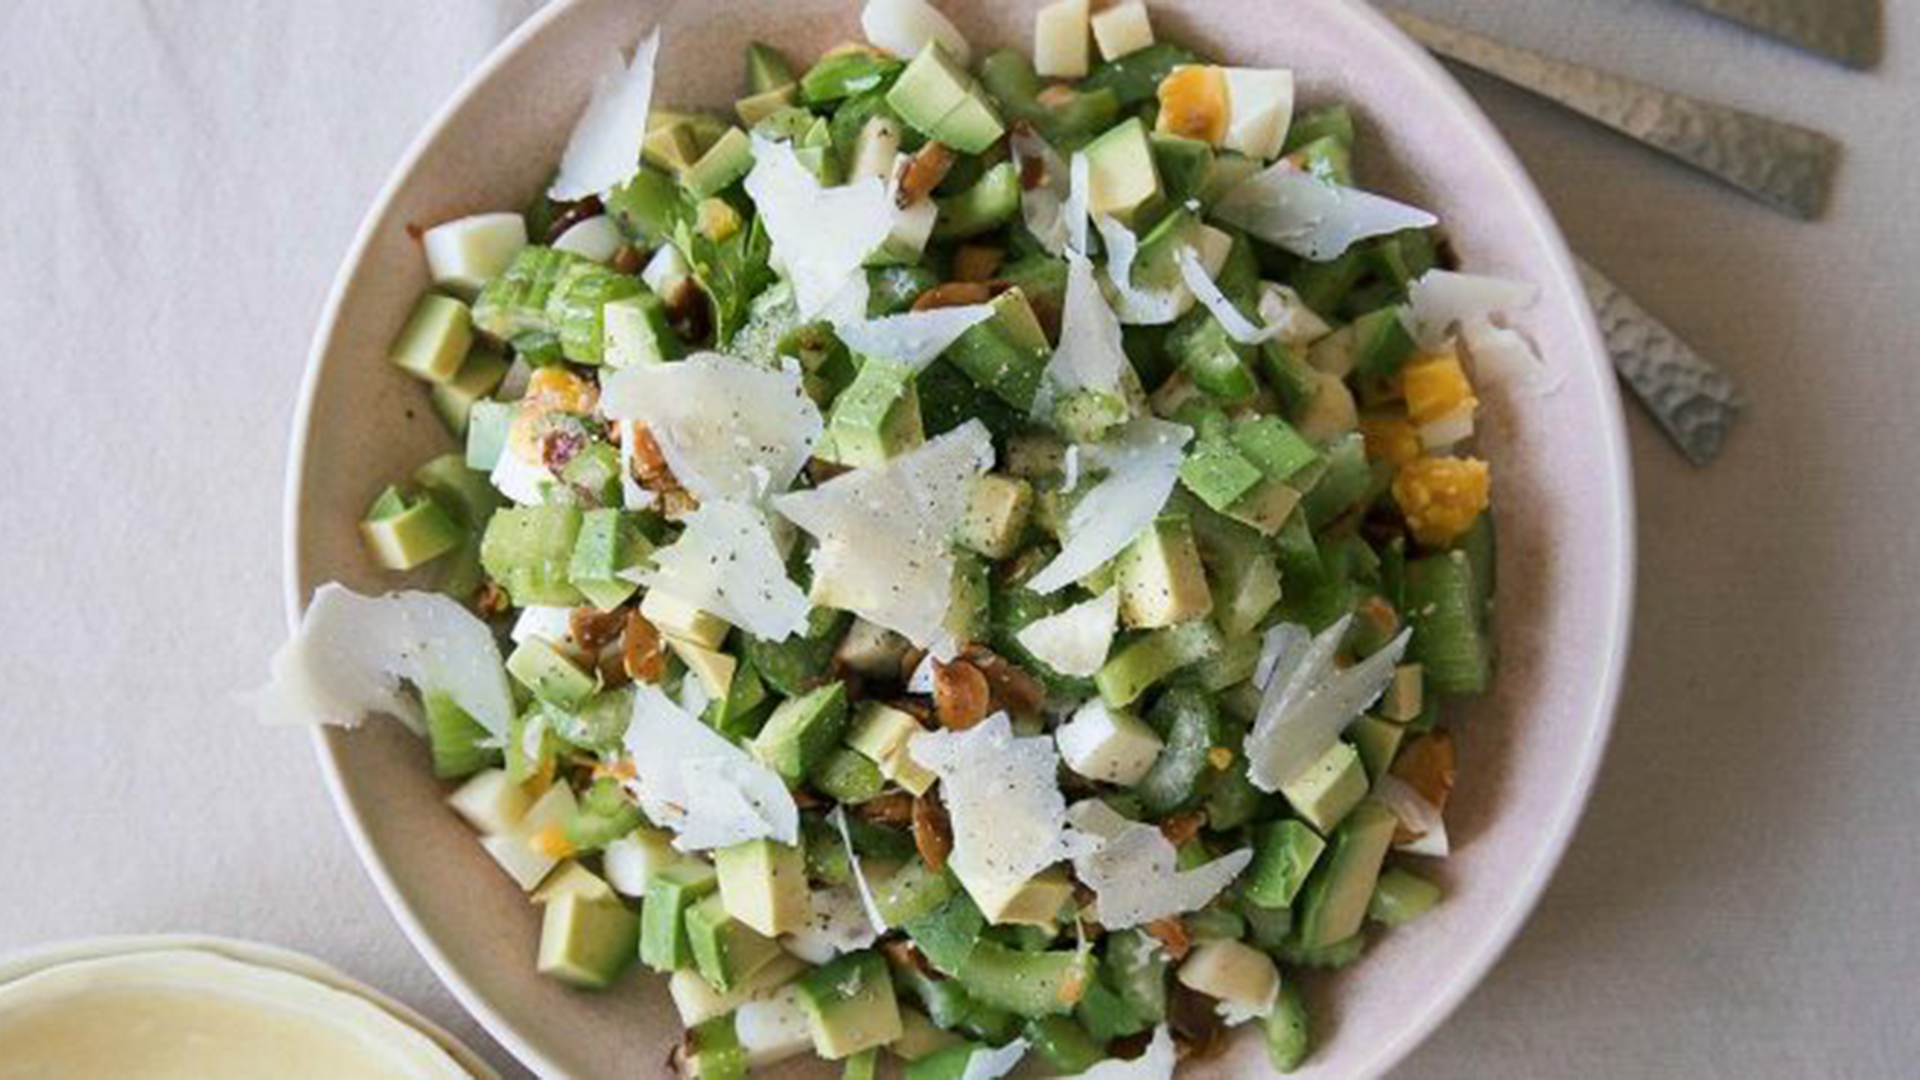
[1060, 40]
[1122, 30]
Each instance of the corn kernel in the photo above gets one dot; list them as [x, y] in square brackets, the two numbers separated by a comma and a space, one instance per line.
[717, 220]
[1442, 497]
[1193, 103]
[1435, 386]
[1390, 438]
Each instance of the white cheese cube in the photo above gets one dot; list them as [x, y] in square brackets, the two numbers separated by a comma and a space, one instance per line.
[1239, 976]
[465, 254]
[1101, 744]
[596, 238]
[1122, 30]
[1259, 111]
[665, 271]
[490, 802]
[1060, 40]
[774, 1029]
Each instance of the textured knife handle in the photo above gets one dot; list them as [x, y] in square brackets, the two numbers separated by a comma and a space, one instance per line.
[1787, 167]
[1847, 30]
[1692, 400]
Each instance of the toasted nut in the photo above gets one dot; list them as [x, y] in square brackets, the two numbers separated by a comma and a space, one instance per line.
[1171, 933]
[932, 831]
[574, 214]
[977, 262]
[491, 601]
[593, 629]
[954, 294]
[1009, 686]
[626, 260]
[894, 808]
[961, 695]
[1427, 766]
[904, 953]
[1198, 1031]
[677, 504]
[642, 653]
[1181, 828]
[922, 173]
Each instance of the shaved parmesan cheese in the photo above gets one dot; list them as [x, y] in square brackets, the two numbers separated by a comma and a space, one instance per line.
[821, 236]
[1156, 1064]
[729, 429]
[1237, 326]
[914, 338]
[836, 925]
[1003, 796]
[1075, 642]
[604, 149]
[554, 624]
[1441, 302]
[1070, 470]
[1133, 871]
[1091, 355]
[1142, 463]
[596, 238]
[1416, 814]
[1162, 302]
[726, 563]
[1306, 703]
[1079, 196]
[878, 921]
[1310, 217]
[921, 681]
[886, 534]
[519, 480]
[986, 1063]
[1296, 324]
[689, 778]
[1044, 206]
[351, 654]
[904, 27]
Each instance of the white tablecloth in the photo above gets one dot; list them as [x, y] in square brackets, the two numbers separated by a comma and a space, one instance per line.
[182, 177]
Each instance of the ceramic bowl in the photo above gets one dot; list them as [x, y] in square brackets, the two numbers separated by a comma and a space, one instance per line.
[1528, 752]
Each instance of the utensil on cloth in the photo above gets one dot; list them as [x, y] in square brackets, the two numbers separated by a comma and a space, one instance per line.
[1693, 401]
[1785, 166]
[1845, 30]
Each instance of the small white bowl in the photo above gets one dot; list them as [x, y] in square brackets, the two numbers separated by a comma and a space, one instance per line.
[1528, 751]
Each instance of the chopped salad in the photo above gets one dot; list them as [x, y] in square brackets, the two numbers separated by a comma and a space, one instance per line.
[960, 557]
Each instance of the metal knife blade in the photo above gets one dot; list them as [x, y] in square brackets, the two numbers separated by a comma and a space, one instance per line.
[1846, 30]
[1788, 167]
[1691, 399]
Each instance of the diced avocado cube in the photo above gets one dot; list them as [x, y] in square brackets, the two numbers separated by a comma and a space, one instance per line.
[671, 143]
[803, 731]
[997, 510]
[936, 97]
[1161, 579]
[610, 546]
[1006, 353]
[1219, 473]
[488, 424]
[912, 892]
[458, 742]
[713, 1052]
[1129, 672]
[882, 733]
[1284, 853]
[1400, 897]
[553, 678]
[741, 713]
[479, 376]
[726, 951]
[637, 331]
[1334, 903]
[757, 107]
[871, 650]
[970, 612]
[434, 342]
[571, 878]
[767, 69]
[850, 1005]
[1271, 443]
[1035, 902]
[491, 802]
[877, 418]
[1231, 972]
[671, 892]
[991, 202]
[528, 549]
[801, 662]
[1185, 166]
[1381, 343]
[1378, 741]
[764, 885]
[1120, 171]
[678, 619]
[587, 941]
[848, 777]
[402, 532]
[1327, 790]
[713, 668]
[726, 161]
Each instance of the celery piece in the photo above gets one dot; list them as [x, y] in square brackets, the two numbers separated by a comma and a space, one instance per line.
[945, 1001]
[597, 726]
[593, 474]
[528, 549]
[1008, 77]
[1323, 286]
[456, 739]
[1449, 640]
[846, 74]
[434, 342]
[893, 289]
[1400, 897]
[610, 546]
[1289, 374]
[1332, 957]
[1191, 725]
[1106, 1015]
[1132, 670]
[1027, 984]
[1135, 78]
[487, 426]
[576, 305]
[1220, 366]
[664, 945]
[1064, 1046]
[1234, 800]
[982, 208]
[1288, 1034]
[604, 814]
[1218, 473]
[515, 303]
[1346, 481]
[1073, 118]
[402, 530]
[531, 744]
[1136, 967]
[948, 934]
[1272, 444]
[479, 377]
